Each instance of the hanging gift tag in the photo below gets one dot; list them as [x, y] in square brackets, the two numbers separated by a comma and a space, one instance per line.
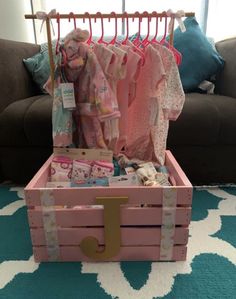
[68, 95]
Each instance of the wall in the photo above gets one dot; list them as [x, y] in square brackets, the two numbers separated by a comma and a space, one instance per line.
[13, 25]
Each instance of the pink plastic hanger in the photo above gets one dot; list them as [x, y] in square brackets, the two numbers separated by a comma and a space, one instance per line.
[124, 42]
[154, 39]
[145, 41]
[71, 15]
[176, 53]
[113, 41]
[136, 41]
[101, 41]
[87, 15]
[163, 40]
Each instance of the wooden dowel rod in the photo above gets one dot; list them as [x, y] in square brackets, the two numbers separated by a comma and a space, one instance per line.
[96, 16]
[51, 61]
[172, 32]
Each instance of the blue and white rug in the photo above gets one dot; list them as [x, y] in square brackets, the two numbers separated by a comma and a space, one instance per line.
[209, 272]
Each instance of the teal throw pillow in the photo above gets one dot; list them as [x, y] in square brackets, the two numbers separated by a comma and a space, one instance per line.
[200, 60]
[38, 66]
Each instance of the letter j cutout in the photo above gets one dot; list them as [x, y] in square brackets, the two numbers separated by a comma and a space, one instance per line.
[112, 232]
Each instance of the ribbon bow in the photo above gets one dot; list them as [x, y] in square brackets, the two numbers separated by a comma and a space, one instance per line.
[178, 16]
[41, 15]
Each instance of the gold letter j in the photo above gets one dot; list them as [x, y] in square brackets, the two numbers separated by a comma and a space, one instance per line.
[112, 233]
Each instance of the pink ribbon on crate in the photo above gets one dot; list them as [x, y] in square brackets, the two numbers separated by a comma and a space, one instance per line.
[178, 17]
[42, 15]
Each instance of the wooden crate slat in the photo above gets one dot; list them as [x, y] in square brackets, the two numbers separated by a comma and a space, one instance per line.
[87, 196]
[128, 253]
[176, 171]
[94, 216]
[129, 236]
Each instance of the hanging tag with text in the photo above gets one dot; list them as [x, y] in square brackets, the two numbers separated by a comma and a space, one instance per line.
[68, 95]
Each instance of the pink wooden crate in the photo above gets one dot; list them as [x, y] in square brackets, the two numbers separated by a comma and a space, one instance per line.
[152, 224]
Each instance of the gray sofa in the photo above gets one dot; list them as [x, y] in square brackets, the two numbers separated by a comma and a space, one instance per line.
[203, 139]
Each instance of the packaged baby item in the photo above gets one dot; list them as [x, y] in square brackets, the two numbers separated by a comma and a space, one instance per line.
[124, 180]
[148, 175]
[61, 168]
[81, 170]
[101, 169]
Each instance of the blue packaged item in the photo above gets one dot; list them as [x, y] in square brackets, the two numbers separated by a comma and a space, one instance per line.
[116, 168]
[163, 169]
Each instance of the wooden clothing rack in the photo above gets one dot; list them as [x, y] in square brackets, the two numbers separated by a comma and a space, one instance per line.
[101, 16]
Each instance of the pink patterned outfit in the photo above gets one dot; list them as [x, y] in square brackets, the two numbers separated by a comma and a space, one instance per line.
[113, 62]
[170, 98]
[144, 108]
[126, 92]
[96, 101]
[115, 71]
[159, 98]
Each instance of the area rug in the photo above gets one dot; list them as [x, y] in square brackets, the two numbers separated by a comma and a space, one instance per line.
[209, 272]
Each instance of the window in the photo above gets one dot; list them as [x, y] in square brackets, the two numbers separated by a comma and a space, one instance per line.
[221, 21]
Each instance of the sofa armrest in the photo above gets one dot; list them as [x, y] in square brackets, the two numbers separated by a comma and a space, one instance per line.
[15, 81]
[226, 80]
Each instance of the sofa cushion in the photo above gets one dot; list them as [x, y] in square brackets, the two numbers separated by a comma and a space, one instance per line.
[15, 81]
[27, 122]
[205, 120]
[225, 83]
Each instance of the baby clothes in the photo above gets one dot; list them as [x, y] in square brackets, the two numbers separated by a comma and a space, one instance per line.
[143, 110]
[115, 72]
[94, 94]
[105, 56]
[66, 71]
[126, 90]
[171, 98]
[121, 102]
[95, 100]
